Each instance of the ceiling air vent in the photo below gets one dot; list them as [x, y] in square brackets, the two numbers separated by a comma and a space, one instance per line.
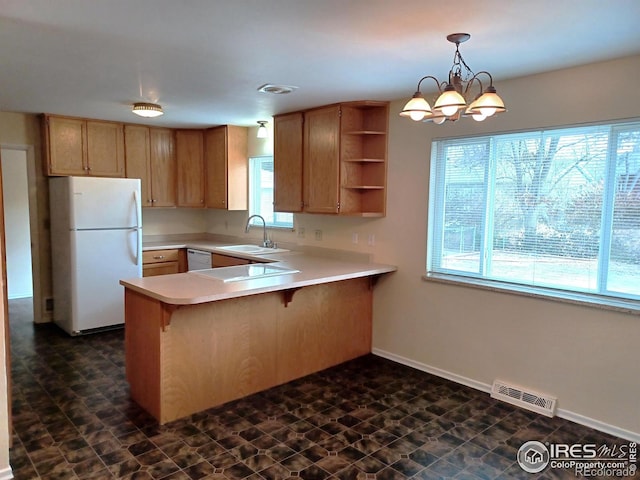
[525, 398]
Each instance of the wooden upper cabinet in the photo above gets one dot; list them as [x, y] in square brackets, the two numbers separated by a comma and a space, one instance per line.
[163, 167]
[138, 159]
[226, 165]
[287, 159]
[150, 156]
[321, 162]
[190, 165]
[105, 148]
[76, 146]
[65, 146]
[338, 154]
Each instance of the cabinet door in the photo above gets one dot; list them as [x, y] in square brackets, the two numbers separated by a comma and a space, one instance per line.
[190, 165]
[66, 152]
[322, 160]
[105, 149]
[237, 168]
[287, 161]
[225, 152]
[163, 167]
[138, 159]
[215, 155]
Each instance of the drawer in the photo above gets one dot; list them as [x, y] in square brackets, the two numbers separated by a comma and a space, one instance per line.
[153, 269]
[160, 256]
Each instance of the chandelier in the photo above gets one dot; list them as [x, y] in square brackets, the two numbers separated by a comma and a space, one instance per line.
[452, 102]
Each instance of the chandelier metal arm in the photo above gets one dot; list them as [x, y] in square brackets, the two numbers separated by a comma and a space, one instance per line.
[438, 83]
[487, 74]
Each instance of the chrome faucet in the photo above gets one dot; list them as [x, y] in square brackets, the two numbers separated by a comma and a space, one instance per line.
[265, 241]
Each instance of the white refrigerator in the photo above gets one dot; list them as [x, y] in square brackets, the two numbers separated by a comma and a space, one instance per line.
[96, 240]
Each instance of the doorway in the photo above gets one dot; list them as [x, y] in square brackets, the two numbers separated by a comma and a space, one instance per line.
[17, 223]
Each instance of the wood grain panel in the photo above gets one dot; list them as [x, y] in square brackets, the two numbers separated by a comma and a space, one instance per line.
[217, 352]
[321, 159]
[137, 156]
[323, 326]
[143, 319]
[105, 148]
[190, 166]
[287, 160]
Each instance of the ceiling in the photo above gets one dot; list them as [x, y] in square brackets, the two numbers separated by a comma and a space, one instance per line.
[203, 60]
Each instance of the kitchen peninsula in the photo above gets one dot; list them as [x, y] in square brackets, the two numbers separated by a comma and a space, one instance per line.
[194, 342]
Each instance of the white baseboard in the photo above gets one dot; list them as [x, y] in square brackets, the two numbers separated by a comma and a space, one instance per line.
[6, 473]
[483, 387]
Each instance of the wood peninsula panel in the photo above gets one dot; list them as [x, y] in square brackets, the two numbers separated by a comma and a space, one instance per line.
[142, 346]
[223, 352]
[186, 359]
[324, 326]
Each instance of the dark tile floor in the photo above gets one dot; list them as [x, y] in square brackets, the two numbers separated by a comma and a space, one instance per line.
[366, 419]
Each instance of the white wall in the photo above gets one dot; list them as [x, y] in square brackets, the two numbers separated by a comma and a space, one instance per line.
[17, 234]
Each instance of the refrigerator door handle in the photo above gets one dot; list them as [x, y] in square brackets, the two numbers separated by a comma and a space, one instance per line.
[138, 227]
[136, 200]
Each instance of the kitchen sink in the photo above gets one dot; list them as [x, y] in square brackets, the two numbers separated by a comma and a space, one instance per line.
[251, 249]
[245, 272]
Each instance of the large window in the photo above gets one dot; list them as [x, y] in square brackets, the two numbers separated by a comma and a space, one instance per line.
[553, 212]
[261, 193]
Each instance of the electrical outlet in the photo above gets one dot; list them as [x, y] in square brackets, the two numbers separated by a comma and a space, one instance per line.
[301, 232]
[319, 235]
[371, 241]
[354, 238]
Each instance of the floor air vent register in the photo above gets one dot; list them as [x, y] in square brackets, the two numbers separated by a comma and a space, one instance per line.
[521, 397]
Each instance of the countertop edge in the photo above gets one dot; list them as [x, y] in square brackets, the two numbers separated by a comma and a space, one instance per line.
[376, 269]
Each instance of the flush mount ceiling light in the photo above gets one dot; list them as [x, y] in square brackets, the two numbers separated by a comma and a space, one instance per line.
[276, 89]
[262, 129]
[147, 110]
[452, 102]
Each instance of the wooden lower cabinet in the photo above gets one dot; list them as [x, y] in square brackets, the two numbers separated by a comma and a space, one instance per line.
[184, 359]
[164, 262]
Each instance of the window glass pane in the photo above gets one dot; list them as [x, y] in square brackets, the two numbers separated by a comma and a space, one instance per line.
[557, 209]
[261, 193]
[464, 198]
[624, 266]
[547, 224]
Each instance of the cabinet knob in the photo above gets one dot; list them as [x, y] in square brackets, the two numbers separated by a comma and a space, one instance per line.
[158, 257]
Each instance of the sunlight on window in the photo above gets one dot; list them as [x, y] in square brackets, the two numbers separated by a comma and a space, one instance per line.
[261, 193]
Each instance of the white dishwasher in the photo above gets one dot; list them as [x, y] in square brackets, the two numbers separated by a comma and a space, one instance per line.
[198, 259]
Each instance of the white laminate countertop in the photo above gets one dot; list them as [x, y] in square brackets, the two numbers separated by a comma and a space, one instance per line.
[192, 288]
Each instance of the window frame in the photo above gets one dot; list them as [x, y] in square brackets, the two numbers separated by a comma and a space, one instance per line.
[436, 225]
[255, 194]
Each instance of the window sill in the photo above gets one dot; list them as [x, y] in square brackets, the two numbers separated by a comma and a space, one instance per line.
[596, 301]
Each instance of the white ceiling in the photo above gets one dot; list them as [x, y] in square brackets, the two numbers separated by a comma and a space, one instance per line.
[203, 60]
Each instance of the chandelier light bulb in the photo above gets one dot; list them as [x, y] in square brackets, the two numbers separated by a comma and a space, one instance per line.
[450, 101]
[417, 108]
